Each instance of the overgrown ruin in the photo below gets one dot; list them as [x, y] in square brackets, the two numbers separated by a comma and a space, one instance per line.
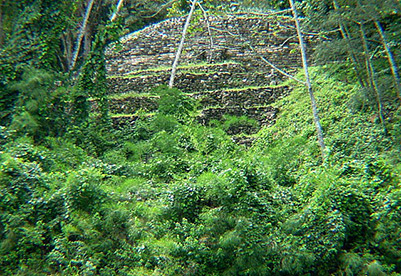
[224, 72]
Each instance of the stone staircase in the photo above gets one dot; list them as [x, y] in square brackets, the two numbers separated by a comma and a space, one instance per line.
[227, 78]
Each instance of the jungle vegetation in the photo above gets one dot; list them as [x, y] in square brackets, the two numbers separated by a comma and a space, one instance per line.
[169, 196]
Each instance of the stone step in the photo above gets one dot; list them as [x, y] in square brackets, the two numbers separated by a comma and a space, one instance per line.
[201, 67]
[193, 82]
[285, 57]
[156, 45]
[130, 105]
[244, 140]
[245, 97]
[229, 78]
[239, 97]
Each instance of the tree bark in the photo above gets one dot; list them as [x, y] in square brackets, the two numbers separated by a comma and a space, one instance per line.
[302, 46]
[372, 76]
[390, 57]
[81, 35]
[179, 50]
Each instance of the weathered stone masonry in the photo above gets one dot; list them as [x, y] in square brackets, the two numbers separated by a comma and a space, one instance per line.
[230, 78]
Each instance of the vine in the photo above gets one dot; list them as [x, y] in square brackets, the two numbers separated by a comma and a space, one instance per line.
[92, 82]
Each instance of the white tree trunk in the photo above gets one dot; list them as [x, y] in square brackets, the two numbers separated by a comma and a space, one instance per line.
[119, 6]
[179, 50]
[81, 34]
[308, 82]
[391, 60]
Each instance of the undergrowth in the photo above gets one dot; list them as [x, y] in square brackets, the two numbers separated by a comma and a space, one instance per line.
[168, 196]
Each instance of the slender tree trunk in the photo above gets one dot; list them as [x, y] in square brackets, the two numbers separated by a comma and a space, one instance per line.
[391, 60]
[119, 6]
[346, 37]
[81, 35]
[179, 50]
[308, 82]
[205, 16]
[372, 76]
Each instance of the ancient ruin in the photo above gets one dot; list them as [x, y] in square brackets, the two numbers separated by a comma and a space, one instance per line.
[224, 72]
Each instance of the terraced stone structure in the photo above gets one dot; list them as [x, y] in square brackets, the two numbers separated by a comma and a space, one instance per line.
[227, 77]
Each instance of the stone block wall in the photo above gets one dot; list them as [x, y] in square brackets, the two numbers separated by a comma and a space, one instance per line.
[193, 82]
[156, 45]
[242, 98]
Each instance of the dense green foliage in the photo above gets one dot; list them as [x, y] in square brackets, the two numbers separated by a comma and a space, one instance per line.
[169, 196]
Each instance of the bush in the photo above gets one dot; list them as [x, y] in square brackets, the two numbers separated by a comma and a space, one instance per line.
[186, 201]
[174, 102]
[336, 219]
[83, 190]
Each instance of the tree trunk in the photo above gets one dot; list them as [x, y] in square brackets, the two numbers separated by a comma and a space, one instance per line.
[308, 82]
[390, 57]
[346, 37]
[179, 50]
[372, 76]
[81, 35]
[119, 6]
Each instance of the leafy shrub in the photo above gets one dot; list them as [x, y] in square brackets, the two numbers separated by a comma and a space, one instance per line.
[66, 154]
[166, 167]
[165, 143]
[174, 102]
[388, 232]
[140, 151]
[283, 158]
[337, 218]
[186, 202]
[396, 131]
[83, 190]
[162, 122]
[24, 219]
[41, 108]
[95, 137]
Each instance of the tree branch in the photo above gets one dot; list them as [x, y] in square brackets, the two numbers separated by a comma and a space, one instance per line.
[162, 8]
